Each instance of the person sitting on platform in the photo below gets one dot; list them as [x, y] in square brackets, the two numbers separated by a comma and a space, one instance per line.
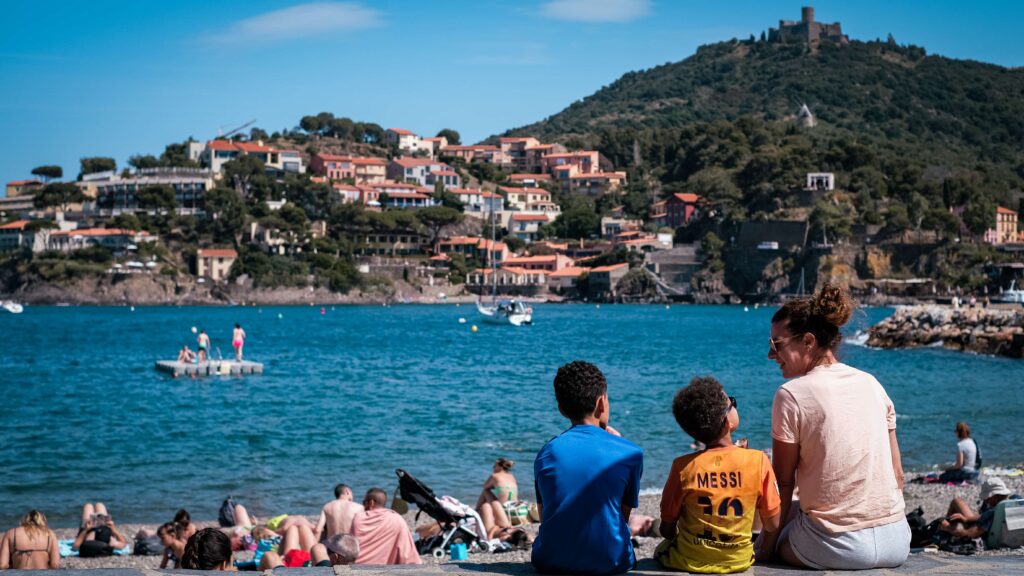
[207, 549]
[30, 546]
[384, 537]
[338, 550]
[336, 516]
[186, 355]
[588, 481]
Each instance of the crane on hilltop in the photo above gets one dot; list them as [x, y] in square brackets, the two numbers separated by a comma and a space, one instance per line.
[230, 133]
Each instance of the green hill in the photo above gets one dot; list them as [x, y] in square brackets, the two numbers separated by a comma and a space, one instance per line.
[892, 122]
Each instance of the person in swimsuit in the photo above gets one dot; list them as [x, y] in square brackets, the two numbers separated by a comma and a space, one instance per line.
[204, 346]
[30, 546]
[98, 528]
[186, 355]
[500, 487]
[238, 341]
[173, 547]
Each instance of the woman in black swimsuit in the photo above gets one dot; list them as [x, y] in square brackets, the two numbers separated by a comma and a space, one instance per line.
[30, 546]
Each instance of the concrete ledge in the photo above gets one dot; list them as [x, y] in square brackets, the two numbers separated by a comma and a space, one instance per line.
[924, 563]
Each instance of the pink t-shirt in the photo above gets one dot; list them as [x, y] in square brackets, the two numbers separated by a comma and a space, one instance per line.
[384, 538]
[841, 418]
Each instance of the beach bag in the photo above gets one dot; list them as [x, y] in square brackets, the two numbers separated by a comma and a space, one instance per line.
[961, 546]
[921, 532]
[148, 547]
[226, 516]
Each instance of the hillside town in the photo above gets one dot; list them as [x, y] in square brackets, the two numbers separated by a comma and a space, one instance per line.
[497, 235]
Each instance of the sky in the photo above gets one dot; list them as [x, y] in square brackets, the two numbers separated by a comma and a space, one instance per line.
[116, 78]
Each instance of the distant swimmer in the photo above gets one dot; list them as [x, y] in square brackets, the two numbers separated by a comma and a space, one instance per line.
[238, 341]
[204, 346]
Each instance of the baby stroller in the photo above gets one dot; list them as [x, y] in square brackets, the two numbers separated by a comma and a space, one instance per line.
[455, 526]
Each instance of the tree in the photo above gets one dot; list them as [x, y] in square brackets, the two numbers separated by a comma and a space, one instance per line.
[48, 173]
[247, 175]
[258, 134]
[176, 155]
[580, 221]
[310, 124]
[446, 198]
[451, 135]
[295, 217]
[58, 194]
[95, 164]
[980, 214]
[225, 211]
[160, 198]
[436, 218]
[140, 162]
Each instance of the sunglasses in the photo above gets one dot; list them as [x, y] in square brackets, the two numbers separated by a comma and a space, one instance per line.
[776, 345]
[732, 404]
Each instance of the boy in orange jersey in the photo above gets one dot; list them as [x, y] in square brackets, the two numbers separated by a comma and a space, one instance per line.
[708, 504]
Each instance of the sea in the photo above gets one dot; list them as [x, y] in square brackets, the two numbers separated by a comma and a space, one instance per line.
[349, 394]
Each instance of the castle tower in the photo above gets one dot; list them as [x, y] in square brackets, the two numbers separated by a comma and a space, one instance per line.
[804, 118]
[807, 14]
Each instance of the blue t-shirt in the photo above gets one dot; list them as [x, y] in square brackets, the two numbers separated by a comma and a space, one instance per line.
[583, 477]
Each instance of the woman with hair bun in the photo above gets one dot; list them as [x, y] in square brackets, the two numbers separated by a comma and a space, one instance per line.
[833, 438]
[207, 549]
[500, 487]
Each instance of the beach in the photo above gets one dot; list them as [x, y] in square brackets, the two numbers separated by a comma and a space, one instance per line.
[934, 498]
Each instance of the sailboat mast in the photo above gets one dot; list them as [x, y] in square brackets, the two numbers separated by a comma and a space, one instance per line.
[494, 266]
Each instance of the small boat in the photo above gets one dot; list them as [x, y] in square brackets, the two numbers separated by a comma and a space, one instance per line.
[511, 312]
[1012, 295]
[12, 307]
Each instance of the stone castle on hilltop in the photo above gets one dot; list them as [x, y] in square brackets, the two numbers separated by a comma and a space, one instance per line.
[807, 30]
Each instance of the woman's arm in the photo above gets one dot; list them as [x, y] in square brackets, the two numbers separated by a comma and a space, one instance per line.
[166, 559]
[785, 457]
[959, 461]
[897, 463]
[54, 552]
[5, 553]
[82, 532]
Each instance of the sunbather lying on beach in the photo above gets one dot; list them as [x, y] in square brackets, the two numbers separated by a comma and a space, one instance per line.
[98, 535]
[282, 523]
[30, 546]
[207, 549]
[294, 551]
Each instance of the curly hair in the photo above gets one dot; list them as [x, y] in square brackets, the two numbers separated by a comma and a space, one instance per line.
[700, 409]
[821, 315]
[207, 549]
[578, 385]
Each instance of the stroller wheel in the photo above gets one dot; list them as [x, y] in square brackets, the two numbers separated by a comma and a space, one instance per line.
[438, 553]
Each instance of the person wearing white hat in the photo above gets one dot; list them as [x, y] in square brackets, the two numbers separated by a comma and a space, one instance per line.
[963, 522]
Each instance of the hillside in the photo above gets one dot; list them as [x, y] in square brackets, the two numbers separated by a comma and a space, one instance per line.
[872, 90]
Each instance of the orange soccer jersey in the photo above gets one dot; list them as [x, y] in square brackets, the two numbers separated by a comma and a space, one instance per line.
[711, 497]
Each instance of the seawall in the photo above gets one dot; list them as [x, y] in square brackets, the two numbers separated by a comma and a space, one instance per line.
[979, 330]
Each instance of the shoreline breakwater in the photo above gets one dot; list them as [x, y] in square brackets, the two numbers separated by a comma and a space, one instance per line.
[996, 332]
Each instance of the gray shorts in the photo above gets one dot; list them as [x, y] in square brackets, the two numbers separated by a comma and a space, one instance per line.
[885, 546]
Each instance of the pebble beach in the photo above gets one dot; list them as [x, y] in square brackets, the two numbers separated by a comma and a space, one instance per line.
[933, 498]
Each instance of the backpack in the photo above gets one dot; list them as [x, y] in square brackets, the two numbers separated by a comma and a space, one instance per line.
[977, 456]
[226, 516]
[921, 531]
[148, 547]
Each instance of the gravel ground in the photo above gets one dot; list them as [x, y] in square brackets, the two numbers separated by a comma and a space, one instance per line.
[932, 497]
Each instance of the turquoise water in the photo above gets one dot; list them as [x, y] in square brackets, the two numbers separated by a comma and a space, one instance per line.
[350, 395]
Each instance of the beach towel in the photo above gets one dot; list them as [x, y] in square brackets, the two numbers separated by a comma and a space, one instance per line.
[66, 551]
[457, 508]
[384, 538]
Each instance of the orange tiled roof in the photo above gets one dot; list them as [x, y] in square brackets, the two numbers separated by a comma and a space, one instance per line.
[401, 131]
[608, 268]
[1001, 210]
[217, 253]
[687, 197]
[412, 162]
[98, 232]
[16, 225]
[529, 217]
[571, 271]
[23, 182]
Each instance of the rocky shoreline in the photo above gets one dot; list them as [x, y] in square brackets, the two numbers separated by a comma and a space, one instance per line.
[998, 332]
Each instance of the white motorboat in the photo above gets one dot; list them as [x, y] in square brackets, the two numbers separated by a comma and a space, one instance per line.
[511, 312]
[12, 307]
[1012, 295]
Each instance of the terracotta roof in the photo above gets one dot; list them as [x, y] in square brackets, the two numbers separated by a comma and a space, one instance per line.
[608, 175]
[217, 253]
[577, 154]
[334, 157]
[532, 259]
[401, 131]
[95, 232]
[686, 197]
[474, 147]
[443, 257]
[491, 245]
[16, 225]
[529, 217]
[247, 147]
[540, 147]
[608, 268]
[1001, 210]
[412, 162]
[529, 177]
[434, 139]
[469, 191]
[512, 269]
[570, 271]
[509, 139]
[23, 182]
[409, 195]
[346, 187]
[524, 190]
[369, 161]
[444, 173]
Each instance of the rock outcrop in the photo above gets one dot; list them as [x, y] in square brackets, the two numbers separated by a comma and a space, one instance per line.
[980, 330]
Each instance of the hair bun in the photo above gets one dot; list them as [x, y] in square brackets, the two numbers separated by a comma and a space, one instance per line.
[833, 304]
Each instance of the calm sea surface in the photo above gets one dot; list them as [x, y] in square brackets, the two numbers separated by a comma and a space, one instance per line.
[350, 395]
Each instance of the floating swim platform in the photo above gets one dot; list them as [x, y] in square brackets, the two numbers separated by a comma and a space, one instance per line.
[209, 368]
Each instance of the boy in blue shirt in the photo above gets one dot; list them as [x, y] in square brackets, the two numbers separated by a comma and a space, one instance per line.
[587, 481]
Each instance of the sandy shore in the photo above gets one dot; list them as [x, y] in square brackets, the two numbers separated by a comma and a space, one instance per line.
[933, 498]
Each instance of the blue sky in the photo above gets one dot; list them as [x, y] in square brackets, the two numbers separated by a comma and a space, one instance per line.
[115, 78]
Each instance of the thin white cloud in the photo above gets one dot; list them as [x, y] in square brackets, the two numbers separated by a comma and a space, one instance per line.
[301, 21]
[596, 10]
